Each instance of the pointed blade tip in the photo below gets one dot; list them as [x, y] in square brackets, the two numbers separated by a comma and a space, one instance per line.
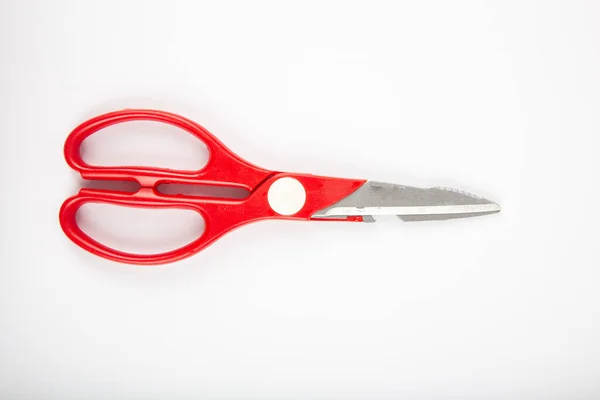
[496, 208]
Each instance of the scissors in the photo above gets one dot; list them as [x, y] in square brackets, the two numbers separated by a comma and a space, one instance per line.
[272, 194]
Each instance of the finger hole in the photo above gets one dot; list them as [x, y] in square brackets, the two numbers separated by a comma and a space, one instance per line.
[145, 144]
[140, 230]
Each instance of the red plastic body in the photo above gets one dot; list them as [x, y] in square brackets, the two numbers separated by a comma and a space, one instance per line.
[224, 168]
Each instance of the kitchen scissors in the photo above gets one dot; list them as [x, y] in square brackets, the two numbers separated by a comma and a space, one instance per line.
[272, 194]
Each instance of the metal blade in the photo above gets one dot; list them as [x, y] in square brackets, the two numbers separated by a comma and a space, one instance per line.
[409, 203]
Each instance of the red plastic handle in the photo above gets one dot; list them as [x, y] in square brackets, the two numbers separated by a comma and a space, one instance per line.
[224, 167]
[68, 222]
[232, 215]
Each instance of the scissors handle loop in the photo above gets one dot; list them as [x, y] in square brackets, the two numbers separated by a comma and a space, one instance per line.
[224, 167]
[232, 213]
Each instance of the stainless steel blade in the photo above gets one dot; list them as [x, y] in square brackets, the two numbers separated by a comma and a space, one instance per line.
[409, 203]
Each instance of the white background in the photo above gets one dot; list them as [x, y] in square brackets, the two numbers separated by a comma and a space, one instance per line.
[497, 98]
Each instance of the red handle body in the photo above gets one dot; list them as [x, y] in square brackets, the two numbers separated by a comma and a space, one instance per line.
[224, 168]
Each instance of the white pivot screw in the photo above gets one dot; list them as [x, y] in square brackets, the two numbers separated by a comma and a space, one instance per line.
[286, 196]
